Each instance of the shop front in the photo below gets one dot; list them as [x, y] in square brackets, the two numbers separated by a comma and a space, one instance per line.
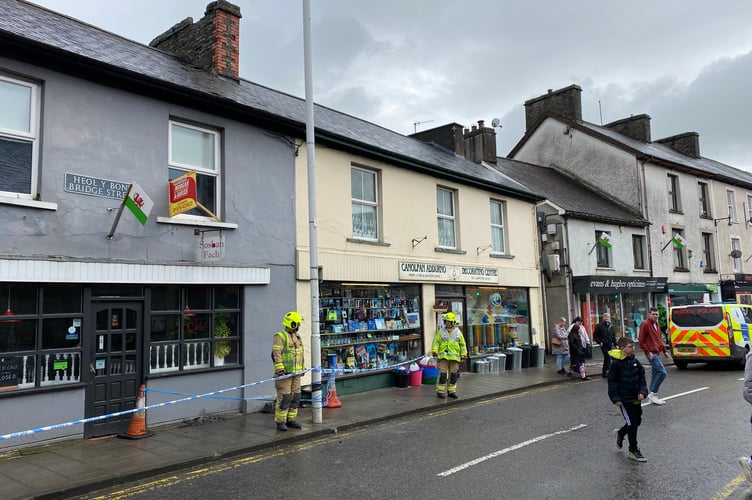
[738, 289]
[626, 298]
[680, 294]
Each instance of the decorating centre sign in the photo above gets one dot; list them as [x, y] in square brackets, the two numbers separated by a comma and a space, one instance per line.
[422, 271]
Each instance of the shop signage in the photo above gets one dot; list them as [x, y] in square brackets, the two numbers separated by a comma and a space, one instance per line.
[618, 284]
[422, 271]
[212, 248]
[93, 186]
[9, 373]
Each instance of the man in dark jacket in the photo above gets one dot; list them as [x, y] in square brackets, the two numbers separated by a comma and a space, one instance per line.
[626, 389]
[605, 337]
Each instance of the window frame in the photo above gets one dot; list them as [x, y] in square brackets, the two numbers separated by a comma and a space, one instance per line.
[450, 217]
[32, 135]
[638, 252]
[704, 199]
[731, 205]
[375, 205]
[749, 209]
[603, 254]
[736, 244]
[680, 254]
[708, 252]
[498, 228]
[216, 133]
[674, 194]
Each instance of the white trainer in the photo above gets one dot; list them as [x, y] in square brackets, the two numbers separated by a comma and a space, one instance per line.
[653, 398]
[746, 468]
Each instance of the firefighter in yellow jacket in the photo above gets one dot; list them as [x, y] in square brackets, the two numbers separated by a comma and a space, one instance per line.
[449, 348]
[287, 354]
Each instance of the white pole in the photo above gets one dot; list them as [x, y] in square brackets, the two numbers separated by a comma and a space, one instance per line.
[312, 239]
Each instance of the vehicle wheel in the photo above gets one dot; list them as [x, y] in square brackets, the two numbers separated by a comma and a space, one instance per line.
[681, 365]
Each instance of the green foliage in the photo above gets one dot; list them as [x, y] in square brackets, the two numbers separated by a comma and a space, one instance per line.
[222, 348]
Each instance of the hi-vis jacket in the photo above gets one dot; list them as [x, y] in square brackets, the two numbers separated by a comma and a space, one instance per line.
[287, 352]
[449, 345]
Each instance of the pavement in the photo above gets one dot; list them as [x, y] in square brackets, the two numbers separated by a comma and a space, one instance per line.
[74, 467]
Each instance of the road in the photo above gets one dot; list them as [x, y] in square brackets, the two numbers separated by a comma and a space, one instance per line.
[549, 443]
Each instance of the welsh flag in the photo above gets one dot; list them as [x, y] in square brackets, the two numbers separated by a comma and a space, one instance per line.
[138, 202]
[605, 240]
[678, 240]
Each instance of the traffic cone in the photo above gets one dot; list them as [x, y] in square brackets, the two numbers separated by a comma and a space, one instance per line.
[137, 427]
[332, 401]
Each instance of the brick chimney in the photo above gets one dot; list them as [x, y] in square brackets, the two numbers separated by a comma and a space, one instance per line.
[687, 143]
[634, 127]
[212, 43]
[448, 136]
[480, 143]
[566, 102]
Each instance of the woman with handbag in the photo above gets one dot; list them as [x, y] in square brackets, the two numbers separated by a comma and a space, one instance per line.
[560, 346]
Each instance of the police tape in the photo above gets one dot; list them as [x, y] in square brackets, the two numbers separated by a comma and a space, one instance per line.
[190, 397]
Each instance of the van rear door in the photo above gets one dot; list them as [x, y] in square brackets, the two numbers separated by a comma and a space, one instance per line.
[694, 329]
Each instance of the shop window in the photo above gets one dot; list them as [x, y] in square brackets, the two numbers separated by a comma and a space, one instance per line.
[370, 326]
[603, 248]
[638, 251]
[365, 203]
[702, 189]
[497, 317]
[18, 137]
[498, 240]
[201, 331]
[708, 252]
[40, 336]
[197, 148]
[674, 199]
[445, 210]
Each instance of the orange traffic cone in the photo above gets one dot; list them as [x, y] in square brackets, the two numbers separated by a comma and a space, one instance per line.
[332, 401]
[137, 427]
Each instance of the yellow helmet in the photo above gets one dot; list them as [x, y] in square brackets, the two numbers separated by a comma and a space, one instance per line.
[450, 316]
[292, 320]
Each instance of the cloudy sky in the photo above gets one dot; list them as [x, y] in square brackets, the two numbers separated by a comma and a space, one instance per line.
[686, 63]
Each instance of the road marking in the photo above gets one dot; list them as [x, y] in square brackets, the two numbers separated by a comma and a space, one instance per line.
[507, 450]
[646, 402]
[729, 489]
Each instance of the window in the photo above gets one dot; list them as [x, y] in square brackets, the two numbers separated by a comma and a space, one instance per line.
[18, 137]
[41, 337]
[638, 251]
[498, 243]
[195, 148]
[731, 205]
[603, 248]
[680, 259]
[702, 189]
[737, 261]
[708, 254]
[749, 209]
[193, 328]
[446, 217]
[674, 202]
[365, 204]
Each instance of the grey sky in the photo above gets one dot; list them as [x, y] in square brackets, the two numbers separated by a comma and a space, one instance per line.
[686, 63]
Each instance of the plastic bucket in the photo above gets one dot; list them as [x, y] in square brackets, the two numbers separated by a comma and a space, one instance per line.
[401, 379]
[430, 374]
[416, 377]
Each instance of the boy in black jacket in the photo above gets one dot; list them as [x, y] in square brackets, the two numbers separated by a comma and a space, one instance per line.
[626, 389]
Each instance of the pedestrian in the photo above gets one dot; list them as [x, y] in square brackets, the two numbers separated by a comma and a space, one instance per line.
[561, 350]
[652, 345]
[287, 354]
[584, 336]
[449, 348]
[577, 352]
[626, 389]
[746, 462]
[605, 336]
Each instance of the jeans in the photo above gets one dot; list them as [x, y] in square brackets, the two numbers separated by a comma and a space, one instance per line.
[659, 373]
[561, 361]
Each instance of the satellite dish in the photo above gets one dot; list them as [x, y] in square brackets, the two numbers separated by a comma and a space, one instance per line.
[496, 123]
[736, 253]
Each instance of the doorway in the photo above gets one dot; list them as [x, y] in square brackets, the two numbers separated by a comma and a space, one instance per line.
[115, 367]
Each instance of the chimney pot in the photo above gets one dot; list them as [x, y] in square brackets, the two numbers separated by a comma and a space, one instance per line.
[481, 123]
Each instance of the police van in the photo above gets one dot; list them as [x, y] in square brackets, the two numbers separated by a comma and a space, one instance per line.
[709, 333]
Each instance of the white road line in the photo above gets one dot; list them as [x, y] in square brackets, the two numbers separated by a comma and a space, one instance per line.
[646, 402]
[506, 450]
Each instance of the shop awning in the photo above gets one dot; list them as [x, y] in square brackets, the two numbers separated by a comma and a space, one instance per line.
[680, 288]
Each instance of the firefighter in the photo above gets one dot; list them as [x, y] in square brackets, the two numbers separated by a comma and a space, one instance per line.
[287, 354]
[449, 348]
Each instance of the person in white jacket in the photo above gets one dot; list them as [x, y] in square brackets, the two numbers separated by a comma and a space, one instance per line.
[746, 462]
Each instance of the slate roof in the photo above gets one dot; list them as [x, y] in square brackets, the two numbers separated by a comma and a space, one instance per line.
[44, 37]
[574, 197]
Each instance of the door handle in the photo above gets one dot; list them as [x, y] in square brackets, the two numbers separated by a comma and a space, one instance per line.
[91, 369]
